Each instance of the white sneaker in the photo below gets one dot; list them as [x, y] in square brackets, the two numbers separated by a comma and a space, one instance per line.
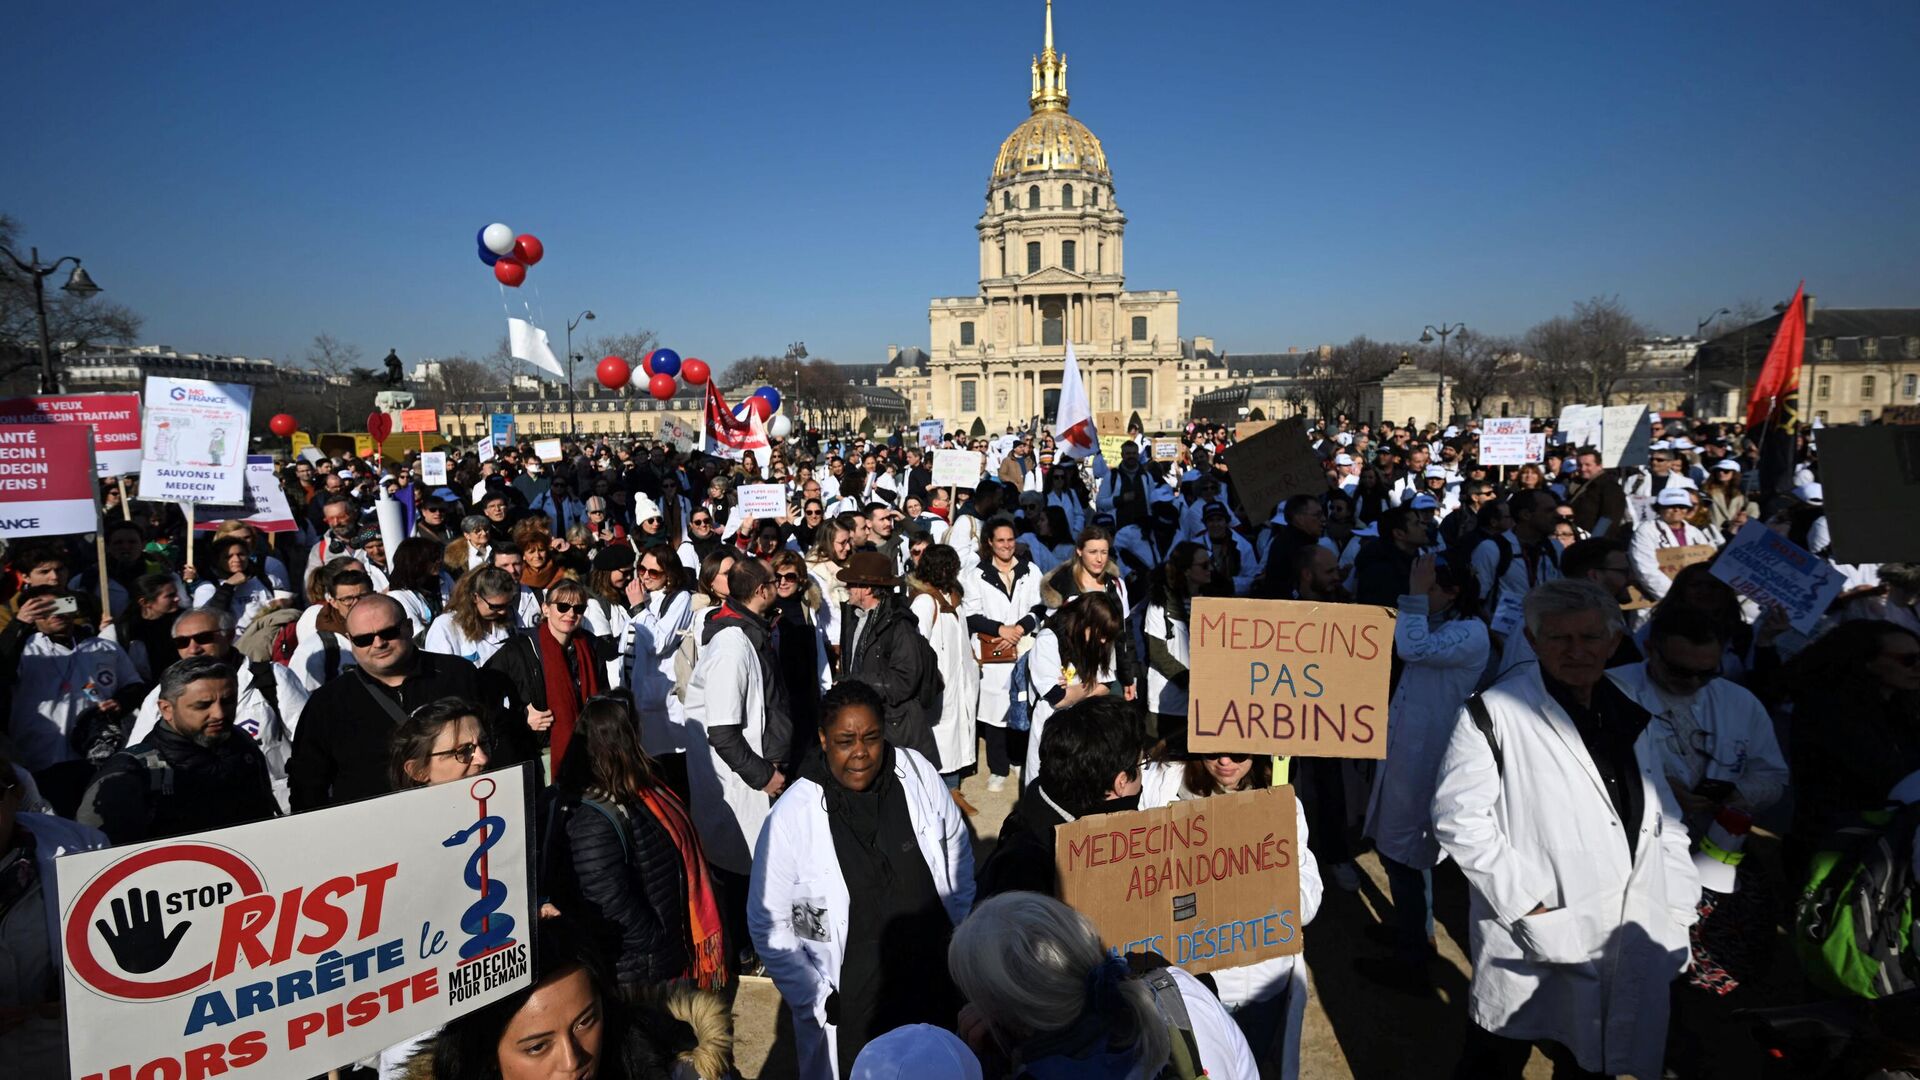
[996, 783]
[1346, 876]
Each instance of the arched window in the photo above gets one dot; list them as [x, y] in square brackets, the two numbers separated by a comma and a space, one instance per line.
[1006, 200]
[1066, 254]
[1033, 197]
[1093, 196]
[1033, 256]
[1066, 196]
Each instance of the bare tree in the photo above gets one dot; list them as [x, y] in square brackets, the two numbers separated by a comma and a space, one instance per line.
[1476, 367]
[1554, 346]
[339, 364]
[463, 379]
[503, 364]
[632, 347]
[73, 323]
[1588, 357]
[1335, 383]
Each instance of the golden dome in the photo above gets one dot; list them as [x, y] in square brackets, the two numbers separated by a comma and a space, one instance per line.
[1050, 141]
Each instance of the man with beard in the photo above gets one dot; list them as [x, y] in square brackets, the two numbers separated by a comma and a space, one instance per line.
[191, 774]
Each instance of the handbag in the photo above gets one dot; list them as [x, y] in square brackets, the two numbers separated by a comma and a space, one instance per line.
[995, 649]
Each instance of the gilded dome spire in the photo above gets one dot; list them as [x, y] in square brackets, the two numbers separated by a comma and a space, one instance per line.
[1049, 75]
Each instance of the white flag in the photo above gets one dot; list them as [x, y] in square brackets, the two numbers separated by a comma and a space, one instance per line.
[1073, 428]
[528, 342]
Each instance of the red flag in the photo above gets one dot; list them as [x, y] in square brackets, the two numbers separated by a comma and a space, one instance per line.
[728, 435]
[1776, 394]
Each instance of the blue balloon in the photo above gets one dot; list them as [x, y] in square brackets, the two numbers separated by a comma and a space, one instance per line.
[739, 411]
[666, 362]
[772, 396]
[488, 257]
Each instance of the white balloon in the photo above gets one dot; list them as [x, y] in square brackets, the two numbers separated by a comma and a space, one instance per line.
[498, 238]
[781, 427]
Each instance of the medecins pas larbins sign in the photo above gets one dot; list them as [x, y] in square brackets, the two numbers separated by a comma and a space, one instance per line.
[289, 947]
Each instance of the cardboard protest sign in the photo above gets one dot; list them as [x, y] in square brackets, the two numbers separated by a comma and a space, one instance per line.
[194, 446]
[547, 449]
[957, 468]
[1580, 425]
[1207, 883]
[1775, 571]
[763, 500]
[1626, 434]
[419, 421]
[1273, 466]
[1675, 559]
[1536, 448]
[1111, 447]
[114, 418]
[931, 432]
[1289, 677]
[1166, 449]
[265, 507]
[300, 442]
[1503, 440]
[433, 467]
[292, 946]
[1870, 478]
[1247, 429]
[47, 480]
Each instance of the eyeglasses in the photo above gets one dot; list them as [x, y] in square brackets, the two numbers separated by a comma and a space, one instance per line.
[565, 608]
[348, 601]
[396, 632]
[463, 753]
[204, 637]
[1699, 675]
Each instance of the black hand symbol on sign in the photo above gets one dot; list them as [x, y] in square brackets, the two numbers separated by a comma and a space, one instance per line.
[136, 937]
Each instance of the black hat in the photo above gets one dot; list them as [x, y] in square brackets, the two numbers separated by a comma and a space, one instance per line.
[613, 557]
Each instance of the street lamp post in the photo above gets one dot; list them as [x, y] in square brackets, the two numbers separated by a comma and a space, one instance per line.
[573, 423]
[1700, 328]
[78, 283]
[797, 352]
[1426, 338]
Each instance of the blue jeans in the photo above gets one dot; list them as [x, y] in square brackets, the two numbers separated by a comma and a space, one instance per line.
[1412, 897]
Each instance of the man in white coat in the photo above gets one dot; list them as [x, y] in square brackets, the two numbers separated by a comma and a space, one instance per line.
[1551, 797]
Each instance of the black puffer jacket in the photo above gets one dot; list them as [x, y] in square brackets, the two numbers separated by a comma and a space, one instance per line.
[624, 882]
[169, 785]
[896, 661]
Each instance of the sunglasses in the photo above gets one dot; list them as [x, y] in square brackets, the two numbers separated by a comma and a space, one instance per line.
[396, 632]
[1699, 675]
[204, 637]
[463, 753]
[648, 571]
[700, 521]
[565, 608]
[789, 577]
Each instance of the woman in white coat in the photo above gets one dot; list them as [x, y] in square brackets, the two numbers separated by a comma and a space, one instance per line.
[1670, 528]
[1267, 998]
[1580, 909]
[1444, 646]
[937, 610]
[1001, 592]
[866, 843]
[660, 626]
[1073, 658]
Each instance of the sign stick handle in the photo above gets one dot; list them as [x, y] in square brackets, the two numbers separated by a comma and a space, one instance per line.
[126, 505]
[187, 508]
[100, 550]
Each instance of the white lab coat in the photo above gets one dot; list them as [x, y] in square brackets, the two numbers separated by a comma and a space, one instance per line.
[658, 630]
[1044, 672]
[1249, 562]
[309, 660]
[985, 597]
[53, 685]
[1443, 661]
[1164, 696]
[1160, 785]
[444, 636]
[1720, 732]
[797, 902]
[250, 597]
[1650, 538]
[1592, 971]
[963, 536]
[726, 687]
[946, 631]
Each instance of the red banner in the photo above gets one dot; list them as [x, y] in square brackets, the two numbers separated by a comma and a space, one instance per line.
[115, 419]
[1776, 394]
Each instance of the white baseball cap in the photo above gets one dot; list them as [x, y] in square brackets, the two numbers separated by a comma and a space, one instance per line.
[1673, 495]
[1343, 460]
[1810, 493]
[1726, 465]
[1435, 470]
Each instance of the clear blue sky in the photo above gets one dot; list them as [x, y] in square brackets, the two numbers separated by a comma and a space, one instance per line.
[737, 176]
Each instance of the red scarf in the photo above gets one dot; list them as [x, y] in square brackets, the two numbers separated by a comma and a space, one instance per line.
[567, 689]
[707, 959]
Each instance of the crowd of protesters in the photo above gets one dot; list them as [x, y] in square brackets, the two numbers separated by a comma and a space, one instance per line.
[751, 734]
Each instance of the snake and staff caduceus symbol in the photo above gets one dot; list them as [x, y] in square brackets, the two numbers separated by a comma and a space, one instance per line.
[487, 928]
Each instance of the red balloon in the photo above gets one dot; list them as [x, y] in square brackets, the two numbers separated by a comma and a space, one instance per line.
[613, 373]
[528, 249]
[694, 372]
[646, 362]
[760, 406]
[509, 272]
[661, 386]
[283, 425]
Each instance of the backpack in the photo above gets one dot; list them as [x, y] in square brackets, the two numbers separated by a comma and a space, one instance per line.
[1183, 1059]
[1020, 696]
[1853, 926]
[686, 655]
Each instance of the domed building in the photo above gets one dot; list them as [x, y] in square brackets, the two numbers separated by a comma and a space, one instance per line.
[1052, 270]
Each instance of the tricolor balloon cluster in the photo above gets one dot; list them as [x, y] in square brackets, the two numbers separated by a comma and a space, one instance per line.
[661, 367]
[509, 255]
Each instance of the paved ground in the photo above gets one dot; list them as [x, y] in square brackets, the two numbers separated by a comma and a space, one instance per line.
[1354, 1027]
